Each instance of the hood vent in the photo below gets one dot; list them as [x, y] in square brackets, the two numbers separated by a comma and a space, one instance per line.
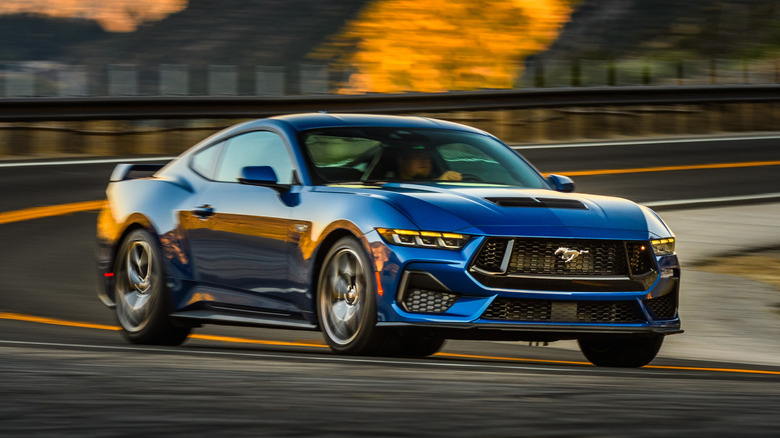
[539, 202]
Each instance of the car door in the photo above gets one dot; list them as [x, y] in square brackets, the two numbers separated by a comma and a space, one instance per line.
[238, 233]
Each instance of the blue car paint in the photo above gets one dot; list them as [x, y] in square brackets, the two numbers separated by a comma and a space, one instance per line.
[276, 273]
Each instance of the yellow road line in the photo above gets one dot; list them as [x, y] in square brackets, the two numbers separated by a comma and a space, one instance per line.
[52, 321]
[230, 339]
[48, 211]
[256, 341]
[722, 370]
[517, 359]
[668, 168]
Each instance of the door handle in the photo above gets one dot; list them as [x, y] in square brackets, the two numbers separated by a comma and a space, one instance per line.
[203, 211]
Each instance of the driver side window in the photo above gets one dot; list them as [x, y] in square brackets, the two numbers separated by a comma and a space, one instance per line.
[259, 148]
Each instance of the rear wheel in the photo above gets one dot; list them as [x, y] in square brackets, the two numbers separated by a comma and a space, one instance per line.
[629, 352]
[347, 301]
[140, 294]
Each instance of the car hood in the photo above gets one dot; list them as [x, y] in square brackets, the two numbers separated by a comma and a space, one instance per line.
[496, 210]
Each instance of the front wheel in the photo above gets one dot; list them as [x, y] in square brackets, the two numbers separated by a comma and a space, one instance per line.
[625, 351]
[347, 300]
[140, 294]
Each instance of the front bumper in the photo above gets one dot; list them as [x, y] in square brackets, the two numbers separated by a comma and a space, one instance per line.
[433, 289]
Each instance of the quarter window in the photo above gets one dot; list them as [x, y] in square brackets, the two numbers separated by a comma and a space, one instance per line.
[204, 160]
[259, 148]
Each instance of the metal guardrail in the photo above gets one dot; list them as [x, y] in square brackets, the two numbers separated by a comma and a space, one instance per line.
[193, 107]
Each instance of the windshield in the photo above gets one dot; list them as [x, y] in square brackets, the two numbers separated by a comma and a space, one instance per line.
[371, 154]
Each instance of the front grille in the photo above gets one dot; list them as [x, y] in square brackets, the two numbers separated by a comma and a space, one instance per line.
[428, 301]
[639, 258]
[664, 307]
[616, 311]
[519, 310]
[523, 310]
[596, 258]
[491, 255]
[548, 257]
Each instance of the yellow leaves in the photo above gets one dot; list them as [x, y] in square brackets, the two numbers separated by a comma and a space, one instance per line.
[112, 15]
[441, 45]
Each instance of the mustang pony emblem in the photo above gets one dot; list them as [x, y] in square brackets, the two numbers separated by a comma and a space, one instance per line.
[567, 254]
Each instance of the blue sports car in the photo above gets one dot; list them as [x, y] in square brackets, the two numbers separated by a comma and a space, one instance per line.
[389, 234]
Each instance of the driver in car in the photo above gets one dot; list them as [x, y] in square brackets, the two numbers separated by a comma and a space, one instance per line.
[415, 163]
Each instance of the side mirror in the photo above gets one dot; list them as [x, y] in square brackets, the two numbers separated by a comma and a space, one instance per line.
[258, 176]
[561, 183]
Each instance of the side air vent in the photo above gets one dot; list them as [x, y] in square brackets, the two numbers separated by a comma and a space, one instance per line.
[539, 202]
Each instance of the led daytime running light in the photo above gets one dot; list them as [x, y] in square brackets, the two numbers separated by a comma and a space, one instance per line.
[424, 239]
[663, 246]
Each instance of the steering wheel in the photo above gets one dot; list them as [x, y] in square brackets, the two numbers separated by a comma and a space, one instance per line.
[470, 177]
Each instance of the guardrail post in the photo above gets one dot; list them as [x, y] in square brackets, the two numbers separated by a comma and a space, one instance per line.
[122, 80]
[594, 73]
[728, 71]
[557, 73]
[72, 81]
[174, 79]
[222, 80]
[19, 80]
[661, 72]
[629, 72]
[269, 80]
[696, 72]
[313, 79]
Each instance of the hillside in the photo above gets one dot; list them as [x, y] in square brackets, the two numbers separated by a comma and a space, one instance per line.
[670, 30]
[229, 32]
[423, 45]
[270, 32]
[34, 38]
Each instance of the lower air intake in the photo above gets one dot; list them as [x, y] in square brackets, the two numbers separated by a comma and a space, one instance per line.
[664, 307]
[428, 301]
[521, 310]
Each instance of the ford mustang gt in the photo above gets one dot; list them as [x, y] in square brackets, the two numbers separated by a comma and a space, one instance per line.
[389, 235]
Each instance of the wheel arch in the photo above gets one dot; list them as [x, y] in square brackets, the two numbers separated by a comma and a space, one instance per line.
[138, 223]
[322, 251]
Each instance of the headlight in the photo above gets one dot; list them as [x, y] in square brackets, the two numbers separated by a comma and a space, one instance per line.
[663, 246]
[424, 239]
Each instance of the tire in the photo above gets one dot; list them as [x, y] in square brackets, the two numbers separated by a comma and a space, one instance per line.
[628, 352]
[346, 297]
[142, 307]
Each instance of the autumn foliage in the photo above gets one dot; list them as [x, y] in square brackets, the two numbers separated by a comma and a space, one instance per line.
[112, 15]
[440, 45]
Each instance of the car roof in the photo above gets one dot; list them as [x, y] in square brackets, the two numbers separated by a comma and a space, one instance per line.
[301, 122]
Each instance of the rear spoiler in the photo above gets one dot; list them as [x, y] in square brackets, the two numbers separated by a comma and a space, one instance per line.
[122, 171]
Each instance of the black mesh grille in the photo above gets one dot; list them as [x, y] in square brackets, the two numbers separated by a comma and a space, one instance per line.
[639, 257]
[428, 301]
[616, 311]
[547, 257]
[491, 255]
[664, 307]
[518, 310]
[521, 310]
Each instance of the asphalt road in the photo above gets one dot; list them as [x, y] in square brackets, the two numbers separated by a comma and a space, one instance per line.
[59, 379]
